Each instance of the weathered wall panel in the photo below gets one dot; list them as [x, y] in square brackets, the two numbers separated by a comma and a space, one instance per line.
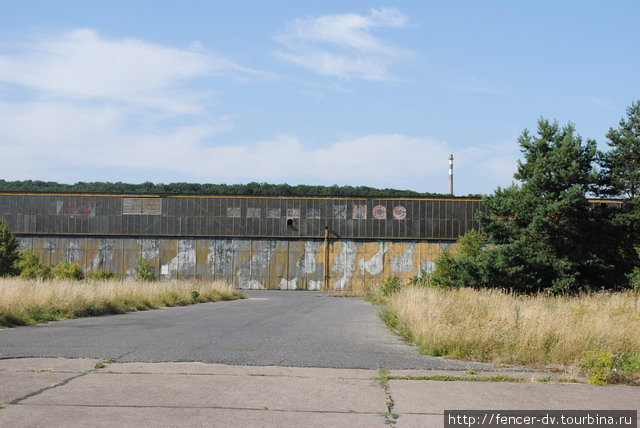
[252, 242]
[250, 217]
[247, 263]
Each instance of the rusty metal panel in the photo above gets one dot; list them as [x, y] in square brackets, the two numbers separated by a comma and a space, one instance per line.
[257, 263]
[245, 217]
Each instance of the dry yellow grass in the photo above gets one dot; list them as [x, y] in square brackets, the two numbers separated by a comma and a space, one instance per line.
[490, 325]
[30, 301]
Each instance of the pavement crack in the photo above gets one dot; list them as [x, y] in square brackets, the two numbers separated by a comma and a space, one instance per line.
[99, 365]
[150, 406]
[390, 416]
[47, 388]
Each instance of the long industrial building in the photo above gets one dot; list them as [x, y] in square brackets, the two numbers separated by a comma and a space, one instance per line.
[254, 242]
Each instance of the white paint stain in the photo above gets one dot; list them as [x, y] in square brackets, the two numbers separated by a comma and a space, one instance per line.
[220, 257]
[74, 253]
[404, 263]
[251, 284]
[23, 243]
[345, 263]
[186, 257]
[259, 261]
[375, 264]
[428, 266]
[308, 261]
[104, 258]
[314, 285]
[149, 248]
[289, 285]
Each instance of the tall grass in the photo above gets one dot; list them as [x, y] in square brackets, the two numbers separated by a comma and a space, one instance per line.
[494, 326]
[24, 302]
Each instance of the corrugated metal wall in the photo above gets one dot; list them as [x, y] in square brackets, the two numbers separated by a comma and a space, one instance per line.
[243, 217]
[253, 242]
[247, 263]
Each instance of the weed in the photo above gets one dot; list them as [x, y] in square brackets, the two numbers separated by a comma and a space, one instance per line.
[26, 302]
[375, 298]
[604, 368]
[451, 378]
[470, 372]
[391, 285]
[65, 270]
[101, 275]
[143, 271]
[103, 363]
[534, 330]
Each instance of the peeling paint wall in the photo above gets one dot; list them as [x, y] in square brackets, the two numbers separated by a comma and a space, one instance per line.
[247, 263]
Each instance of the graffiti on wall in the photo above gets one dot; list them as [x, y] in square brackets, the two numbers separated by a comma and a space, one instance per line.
[340, 212]
[400, 213]
[359, 212]
[76, 209]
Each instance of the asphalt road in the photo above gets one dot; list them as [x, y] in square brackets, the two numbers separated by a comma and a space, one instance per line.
[269, 328]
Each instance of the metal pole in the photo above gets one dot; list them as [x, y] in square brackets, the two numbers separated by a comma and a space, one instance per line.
[326, 258]
[451, 174]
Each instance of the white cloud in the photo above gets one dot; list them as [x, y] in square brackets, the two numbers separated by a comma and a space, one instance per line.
[82, 65]
[122, 110]
[343, 45]
[71, 143]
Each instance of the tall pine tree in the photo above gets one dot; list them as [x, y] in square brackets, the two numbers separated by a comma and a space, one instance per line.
[621, 164]
[546, 233]
[620, 178]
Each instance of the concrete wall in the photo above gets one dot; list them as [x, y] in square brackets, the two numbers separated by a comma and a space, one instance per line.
[247, 263]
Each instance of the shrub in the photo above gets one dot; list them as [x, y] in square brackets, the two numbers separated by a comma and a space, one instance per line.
[420, 280]
[392, 284]
[101, 275]
[143, 271]
[66, 270]
[29, 266]
[470, 244]
[445, 271]
[8, 251]
[604, 367]
[634, 276]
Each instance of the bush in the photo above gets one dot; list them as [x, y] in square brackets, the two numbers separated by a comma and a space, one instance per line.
[29, 266]
[603, 367]
[66, 270]
[143, 271]
[420, 280]
[392, 284]
[9, 254]
[101, 275]
[470, 244]
[445, 271]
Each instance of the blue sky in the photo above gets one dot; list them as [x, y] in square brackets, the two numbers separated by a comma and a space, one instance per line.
[331, 92]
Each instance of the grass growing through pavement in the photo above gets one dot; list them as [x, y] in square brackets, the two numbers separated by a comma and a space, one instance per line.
[25, 302]
[598, 332]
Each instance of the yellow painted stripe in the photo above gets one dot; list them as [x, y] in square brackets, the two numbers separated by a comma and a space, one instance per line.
[124, 195]
[244, 197]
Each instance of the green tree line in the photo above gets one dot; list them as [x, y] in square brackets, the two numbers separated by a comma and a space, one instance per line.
[249, 189]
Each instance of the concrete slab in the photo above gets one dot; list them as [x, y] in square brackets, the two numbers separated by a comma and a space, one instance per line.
[232, 392]
[420, 421]
[62, 365]
[72, 416]
[14, 385]
[431, 397]
[222, 369]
